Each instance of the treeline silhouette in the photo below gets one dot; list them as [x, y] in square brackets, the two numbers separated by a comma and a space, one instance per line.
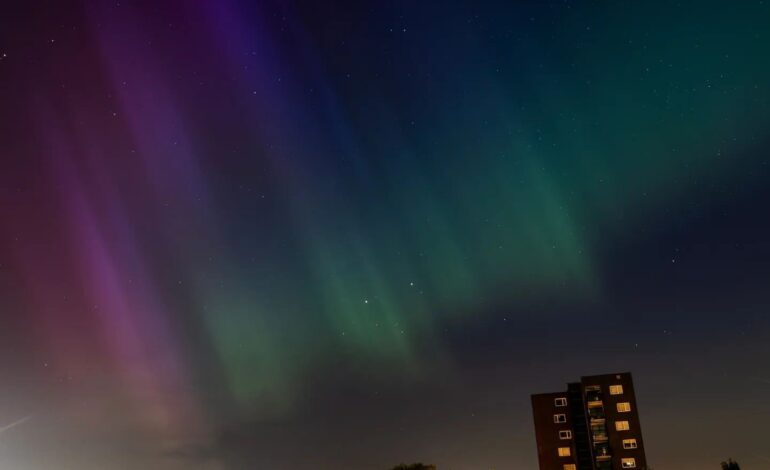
[729, 465]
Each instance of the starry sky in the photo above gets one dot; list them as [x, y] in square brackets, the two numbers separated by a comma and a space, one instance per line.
[300, 235]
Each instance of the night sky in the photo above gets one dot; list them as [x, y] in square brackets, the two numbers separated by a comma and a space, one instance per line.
[303, 235]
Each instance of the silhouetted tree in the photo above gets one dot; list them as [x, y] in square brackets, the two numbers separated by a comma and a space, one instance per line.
[730, 465]
[414, 466]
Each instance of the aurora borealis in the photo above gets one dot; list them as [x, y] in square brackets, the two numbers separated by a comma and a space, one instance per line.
[317, 235]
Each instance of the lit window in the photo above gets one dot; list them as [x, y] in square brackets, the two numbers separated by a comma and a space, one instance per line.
[564, 452]
[565, 435]
[616, 390]
[624, 407]
[628, 463]
[560, 402]
[560, 418]
[622, 426]
[570, 466]
[629, 443]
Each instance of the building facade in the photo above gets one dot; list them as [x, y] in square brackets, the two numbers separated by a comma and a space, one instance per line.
[593, 425]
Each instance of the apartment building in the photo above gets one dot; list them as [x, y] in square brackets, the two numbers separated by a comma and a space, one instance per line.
[592, 425]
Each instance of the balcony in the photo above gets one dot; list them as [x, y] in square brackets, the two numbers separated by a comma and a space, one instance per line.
[596, 413]
[593, 395]
[602, 452]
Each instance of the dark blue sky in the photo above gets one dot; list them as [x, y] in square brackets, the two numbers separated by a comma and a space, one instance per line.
[301, 235]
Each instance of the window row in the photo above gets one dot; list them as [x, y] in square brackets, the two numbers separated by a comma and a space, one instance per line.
[622, 407]
[594, 391]
[625, 463]
[627, 443]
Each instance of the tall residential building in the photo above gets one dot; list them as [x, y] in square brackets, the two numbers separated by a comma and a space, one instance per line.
[593, 425]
